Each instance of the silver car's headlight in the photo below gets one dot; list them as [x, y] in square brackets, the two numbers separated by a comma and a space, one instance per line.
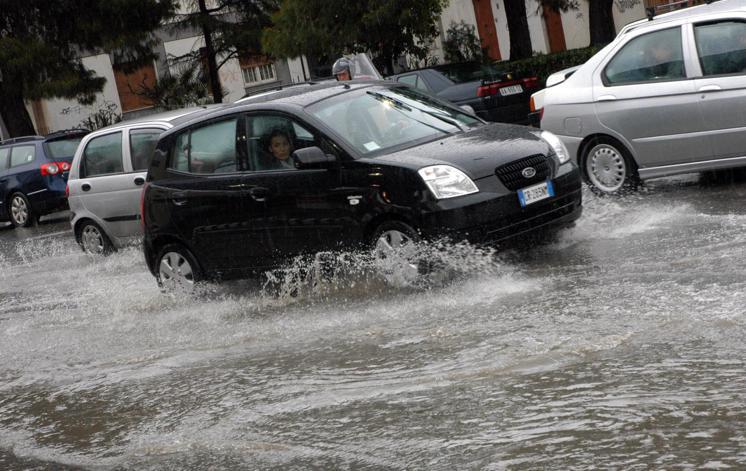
[556, 144]
[447, 182]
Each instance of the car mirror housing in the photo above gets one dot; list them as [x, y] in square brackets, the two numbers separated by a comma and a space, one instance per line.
[312, 157]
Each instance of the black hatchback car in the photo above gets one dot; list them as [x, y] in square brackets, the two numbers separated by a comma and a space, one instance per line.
[339, 165]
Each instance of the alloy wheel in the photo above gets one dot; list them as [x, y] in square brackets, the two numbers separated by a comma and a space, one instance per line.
[606, 168]
[175, 271]
[394, 254]
[19, 210]
[92, 240]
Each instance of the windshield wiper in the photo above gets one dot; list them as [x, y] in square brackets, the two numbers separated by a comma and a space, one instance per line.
[400, 105]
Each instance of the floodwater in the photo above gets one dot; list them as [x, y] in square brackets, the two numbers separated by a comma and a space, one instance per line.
[617, 345]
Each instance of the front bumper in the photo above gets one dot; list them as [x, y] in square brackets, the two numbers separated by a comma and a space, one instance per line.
[498, 216]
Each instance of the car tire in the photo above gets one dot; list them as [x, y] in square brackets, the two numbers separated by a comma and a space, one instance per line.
[608, 168]
[20, 212]
[93, 240]
[394, 252]
[177, 269]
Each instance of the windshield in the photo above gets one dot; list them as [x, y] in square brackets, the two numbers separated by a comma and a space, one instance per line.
[470, 72]
[376, 119]
[62, 148]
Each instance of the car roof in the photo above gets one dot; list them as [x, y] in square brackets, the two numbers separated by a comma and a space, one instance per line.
[699, 11]
[172, 117]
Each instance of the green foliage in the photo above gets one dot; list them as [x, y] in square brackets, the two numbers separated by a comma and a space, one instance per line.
[462, 44]
[174, 91]
[388, 28]
[543, 65]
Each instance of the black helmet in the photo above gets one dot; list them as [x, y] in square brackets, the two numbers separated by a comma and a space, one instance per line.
[341, 65]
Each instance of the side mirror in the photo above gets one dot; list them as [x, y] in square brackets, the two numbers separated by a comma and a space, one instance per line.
[311, 157]
[468, 109]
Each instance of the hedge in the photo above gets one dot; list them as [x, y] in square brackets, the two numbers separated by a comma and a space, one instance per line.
[544, 65]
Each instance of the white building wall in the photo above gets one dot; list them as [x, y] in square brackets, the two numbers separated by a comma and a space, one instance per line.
[56, 120]
[455, 12]
[536, 28]
[627, 11]
[576, 26]
[298, 69]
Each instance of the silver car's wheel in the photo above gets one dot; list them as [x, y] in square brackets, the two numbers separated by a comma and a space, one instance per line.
[395, 255]
[20, 212]
[175, 271]
[92, 240]
[606, 168]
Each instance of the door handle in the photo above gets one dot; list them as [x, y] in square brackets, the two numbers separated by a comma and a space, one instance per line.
[179, 199]
[710, 88]
[85, 187]
[139, 181]
[259, 193]
[606, 98]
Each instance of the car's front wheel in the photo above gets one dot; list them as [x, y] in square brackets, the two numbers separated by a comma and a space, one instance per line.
[177, 269]
[20, 211]
[395, 254]
[608, 167]
[93, 239]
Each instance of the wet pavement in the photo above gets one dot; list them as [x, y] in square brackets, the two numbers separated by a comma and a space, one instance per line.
[617, 345]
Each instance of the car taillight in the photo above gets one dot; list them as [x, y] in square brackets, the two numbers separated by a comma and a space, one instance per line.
[142, 206]
[64, 166]
[50, 169]
[531, 82]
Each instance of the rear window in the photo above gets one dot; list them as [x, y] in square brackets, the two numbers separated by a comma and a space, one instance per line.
[470, 72]
[62, 148]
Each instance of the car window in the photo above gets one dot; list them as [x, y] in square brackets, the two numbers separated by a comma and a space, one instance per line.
[21, 155]
[652, 56]
[62, 148]
[272, 139]
[142, 145]
[206, 150]
[4, 158]
[721, 47]
[103, 155]
[410, 79]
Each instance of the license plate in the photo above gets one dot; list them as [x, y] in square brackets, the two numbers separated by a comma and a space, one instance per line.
[535, 193]
[511, 90]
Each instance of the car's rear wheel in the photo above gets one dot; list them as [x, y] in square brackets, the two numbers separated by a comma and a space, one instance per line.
[395, 252]
[177, 269]
[20, 211]
[608, 167]
[93, 239]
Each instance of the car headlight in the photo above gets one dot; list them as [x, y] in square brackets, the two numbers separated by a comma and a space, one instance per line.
[556, 144]
[447, 182]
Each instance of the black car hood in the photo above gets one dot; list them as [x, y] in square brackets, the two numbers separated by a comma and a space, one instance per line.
[476, 152]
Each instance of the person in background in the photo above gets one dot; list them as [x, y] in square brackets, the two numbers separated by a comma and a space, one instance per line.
[342, 70]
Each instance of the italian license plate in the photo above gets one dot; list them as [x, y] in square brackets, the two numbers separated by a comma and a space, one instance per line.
[511, 90]
[535, 193]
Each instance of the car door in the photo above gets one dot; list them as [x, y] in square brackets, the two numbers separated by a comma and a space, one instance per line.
[643, 95]
[721, 52]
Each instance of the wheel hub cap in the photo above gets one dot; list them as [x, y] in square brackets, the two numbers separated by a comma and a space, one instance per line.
[93, 241]
[175, 271]
[607, 169]
[394, 253]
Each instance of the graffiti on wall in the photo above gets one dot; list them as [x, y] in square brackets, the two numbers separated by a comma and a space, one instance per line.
[624, 5]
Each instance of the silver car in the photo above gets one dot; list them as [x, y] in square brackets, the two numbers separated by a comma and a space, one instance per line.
[107, 176]
[667, 96]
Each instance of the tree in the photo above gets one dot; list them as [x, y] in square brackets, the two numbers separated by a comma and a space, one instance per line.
[387, 28]
[187, 88]
[462, 44]
[601, 21]
[520, 37]
[231, 28]
[40, 44]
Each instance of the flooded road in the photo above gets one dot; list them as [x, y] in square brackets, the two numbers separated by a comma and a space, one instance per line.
[619, 345]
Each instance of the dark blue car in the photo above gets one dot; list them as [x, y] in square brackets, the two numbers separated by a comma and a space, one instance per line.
[33, 175]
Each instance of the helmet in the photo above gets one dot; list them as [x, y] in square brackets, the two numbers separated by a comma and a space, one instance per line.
[342, 64]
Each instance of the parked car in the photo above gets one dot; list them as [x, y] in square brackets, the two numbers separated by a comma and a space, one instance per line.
[494, 95]
[343, 165]
[665, 97]
[107, 176]
[33, 174]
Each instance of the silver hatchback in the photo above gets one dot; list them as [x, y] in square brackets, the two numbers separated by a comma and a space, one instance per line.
[107, 176]
[666, 97]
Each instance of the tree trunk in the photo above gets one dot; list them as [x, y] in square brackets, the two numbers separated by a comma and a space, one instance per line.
[212, 64]
[601, 19]
[520, 37]
[13, 109]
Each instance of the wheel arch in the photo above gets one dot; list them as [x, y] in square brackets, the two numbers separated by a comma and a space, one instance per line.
[159, 242]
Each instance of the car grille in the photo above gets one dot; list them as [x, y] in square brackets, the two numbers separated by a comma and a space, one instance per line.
[510, 174]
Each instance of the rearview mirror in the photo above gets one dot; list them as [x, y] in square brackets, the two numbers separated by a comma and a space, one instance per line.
[311, 157]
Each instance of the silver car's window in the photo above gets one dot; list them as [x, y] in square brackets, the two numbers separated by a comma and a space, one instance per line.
[103, 155]
[651, 57]
[272, 139]
[21, 155]
[208, 149]
[142, 145]
[721, 47]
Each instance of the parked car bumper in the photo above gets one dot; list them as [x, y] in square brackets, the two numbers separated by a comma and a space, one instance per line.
[50, 199]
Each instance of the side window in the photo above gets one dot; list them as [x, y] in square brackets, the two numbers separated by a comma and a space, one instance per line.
[142, 145]
[103, 155]
[21, 155]
[206, 150]
[408, 79]
[272, 139]
[652, 56]
[721, 47]
[4, 158]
